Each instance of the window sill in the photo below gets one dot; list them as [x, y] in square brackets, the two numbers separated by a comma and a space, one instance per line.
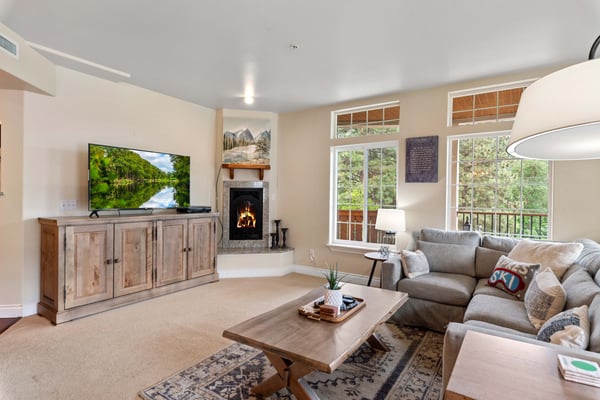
[353, 249]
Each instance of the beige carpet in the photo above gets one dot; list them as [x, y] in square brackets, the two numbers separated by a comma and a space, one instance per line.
[112, 355]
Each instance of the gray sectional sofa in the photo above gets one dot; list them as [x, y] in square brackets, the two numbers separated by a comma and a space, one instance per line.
[454, 297]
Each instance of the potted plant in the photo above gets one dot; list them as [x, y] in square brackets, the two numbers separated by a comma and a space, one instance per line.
[333, 293]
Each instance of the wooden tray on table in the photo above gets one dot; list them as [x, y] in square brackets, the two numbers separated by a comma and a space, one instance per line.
[311, 311]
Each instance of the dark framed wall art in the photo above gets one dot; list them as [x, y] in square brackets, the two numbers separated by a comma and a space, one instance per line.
[422, 159]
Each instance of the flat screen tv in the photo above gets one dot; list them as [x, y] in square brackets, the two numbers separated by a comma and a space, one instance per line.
[121, 178]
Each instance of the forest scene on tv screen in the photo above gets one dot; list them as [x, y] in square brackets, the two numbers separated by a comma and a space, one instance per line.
[123, 178]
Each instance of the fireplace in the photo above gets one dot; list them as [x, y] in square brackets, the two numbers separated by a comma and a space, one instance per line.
[245, 214]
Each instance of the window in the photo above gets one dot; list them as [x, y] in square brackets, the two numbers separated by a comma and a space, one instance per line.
[364, 175]
[364, 179]
[494, 192]
[489, 104]
[373, 120]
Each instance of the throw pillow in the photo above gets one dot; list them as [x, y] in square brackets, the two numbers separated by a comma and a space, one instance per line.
[544, 298]
[557, 256]
[570, 328]
[414, 263]
[512, 276]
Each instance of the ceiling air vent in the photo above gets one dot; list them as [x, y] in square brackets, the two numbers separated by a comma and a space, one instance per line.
[8, 45]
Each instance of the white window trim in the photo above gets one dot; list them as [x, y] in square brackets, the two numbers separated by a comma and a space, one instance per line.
[350, 245]
[333, 117]
[448, 216]
[483, 89]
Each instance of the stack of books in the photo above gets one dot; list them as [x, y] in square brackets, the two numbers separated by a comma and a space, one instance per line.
[329, 311]
[578, 370]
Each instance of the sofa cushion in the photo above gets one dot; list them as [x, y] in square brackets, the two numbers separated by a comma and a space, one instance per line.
[452, 289]
[470, 238]
[499, 243]
[512, 276]
[594, 315]
[545, 297]
[485, 261]
[498, 329]
[589, 258]
[570, 328]
[557, 256]
[448, 257]
[579, 286]
[509, 313]
[414, 263]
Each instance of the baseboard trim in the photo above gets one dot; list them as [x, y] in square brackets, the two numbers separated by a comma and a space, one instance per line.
[348, 277]
[29, 309]
[11, 310]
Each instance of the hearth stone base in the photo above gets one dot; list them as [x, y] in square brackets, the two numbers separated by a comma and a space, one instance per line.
[254, 262]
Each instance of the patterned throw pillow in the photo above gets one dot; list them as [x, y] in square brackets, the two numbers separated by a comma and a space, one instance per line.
[570, 328]
[512, 276]
[558, 256]
[414, 263]
[544, 298]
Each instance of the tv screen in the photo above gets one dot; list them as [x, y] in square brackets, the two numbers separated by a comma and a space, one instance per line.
[123, 178]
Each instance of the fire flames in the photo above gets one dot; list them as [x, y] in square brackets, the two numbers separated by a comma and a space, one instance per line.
[246, 217]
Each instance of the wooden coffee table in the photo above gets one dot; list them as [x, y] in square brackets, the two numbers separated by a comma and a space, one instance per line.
[297, 345]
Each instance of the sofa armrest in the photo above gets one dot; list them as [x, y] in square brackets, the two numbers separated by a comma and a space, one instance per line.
[391, 272]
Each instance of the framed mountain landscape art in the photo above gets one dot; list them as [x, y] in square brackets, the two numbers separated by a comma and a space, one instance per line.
[246, 141]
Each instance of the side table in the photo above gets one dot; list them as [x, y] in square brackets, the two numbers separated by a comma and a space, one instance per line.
[375, 256]
[491, 367]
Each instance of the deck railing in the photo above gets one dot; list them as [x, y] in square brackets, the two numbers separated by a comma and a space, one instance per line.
[525, 225]
[350, 226]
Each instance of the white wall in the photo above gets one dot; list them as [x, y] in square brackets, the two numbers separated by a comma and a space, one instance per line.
[11, 204]
[87, 109]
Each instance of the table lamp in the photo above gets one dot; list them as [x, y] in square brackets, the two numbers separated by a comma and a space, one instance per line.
[391, 221]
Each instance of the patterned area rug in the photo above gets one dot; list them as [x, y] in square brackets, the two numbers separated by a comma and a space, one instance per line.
[411, 370]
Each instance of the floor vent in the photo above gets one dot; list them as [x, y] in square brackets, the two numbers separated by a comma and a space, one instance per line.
[8, 45]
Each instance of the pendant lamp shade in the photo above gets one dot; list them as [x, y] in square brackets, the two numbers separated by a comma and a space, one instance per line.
[559, 116]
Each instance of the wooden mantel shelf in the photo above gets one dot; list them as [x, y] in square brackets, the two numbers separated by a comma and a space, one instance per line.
[260, 167]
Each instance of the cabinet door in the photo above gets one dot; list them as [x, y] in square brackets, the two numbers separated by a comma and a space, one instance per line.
[88, 264]
[171, 251]
[133, 257]
[201, 257]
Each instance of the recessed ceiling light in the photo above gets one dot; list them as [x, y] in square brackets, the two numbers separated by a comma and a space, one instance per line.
[294, 46]
[248, 99]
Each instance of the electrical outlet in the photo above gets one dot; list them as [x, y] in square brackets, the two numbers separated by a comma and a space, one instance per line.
[311, 255]
[66, 205]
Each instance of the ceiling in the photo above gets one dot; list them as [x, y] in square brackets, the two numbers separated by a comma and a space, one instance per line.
[211, 52]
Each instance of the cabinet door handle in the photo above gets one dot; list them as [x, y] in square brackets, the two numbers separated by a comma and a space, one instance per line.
[116, 261]
[184, 250]
[189, 249]
[109, 261]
